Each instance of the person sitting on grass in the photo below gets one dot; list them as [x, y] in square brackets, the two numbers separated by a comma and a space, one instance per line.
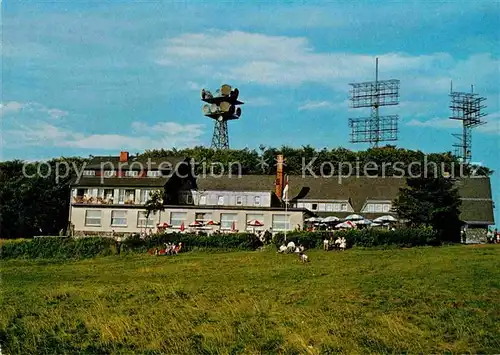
[343, 243]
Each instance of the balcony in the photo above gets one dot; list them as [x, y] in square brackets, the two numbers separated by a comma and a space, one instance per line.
[93, 200]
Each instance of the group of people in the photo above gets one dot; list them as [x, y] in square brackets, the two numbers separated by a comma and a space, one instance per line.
[170, 249]
[292, 248]
[493, 237]
[339, 244]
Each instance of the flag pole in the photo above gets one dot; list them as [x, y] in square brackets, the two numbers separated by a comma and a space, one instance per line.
[285, 198]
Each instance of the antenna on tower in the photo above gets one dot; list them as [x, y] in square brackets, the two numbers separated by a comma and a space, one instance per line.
[376, 128]
[221, 108]
[466, 107]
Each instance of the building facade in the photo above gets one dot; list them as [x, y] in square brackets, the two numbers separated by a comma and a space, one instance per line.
[111, 194]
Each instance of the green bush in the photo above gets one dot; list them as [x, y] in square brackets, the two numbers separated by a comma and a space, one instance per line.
[70, 248]
[59, 248]
[236, 241]
[402, 237]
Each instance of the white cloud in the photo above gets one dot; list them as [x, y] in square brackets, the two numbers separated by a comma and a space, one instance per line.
[492, 125]
[14, 107]
[143, 136]
[435, 123]
[313, 105]
[258, 101]
[10, 108]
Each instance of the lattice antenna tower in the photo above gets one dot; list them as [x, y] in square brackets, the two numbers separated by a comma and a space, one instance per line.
[373, 94]
[466, 107]
[221, 107]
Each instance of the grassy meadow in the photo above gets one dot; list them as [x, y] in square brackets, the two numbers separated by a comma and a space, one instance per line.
[418, 300]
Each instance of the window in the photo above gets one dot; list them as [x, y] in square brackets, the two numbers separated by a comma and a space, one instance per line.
[177, 218]
[129, 196]
[220, 200]
[109, 194]
[203, 200]
[314, 206]
[322, 207]
[257, 200]
[255, 217]
[93, 218]
[142, 222]
[189, 198]
[378, 208]
[344, 207]
[227, 220]
[82, 192]
[329, 207]
[386, 207]
[154, 173]
[144, 195]
[239, 200]
[337, 207]
[109, 173]
[119, 218]
[300, 204]
[203, 217]
[89, 173]
[131, 173]
[281, 222]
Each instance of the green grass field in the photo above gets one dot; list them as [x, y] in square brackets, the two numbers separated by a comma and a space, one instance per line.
[425, 300]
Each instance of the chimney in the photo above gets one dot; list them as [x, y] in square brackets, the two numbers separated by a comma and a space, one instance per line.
[279, 176]
[123, 157]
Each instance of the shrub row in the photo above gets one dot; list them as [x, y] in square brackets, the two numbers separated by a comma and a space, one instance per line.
[70, 248]
[57, 247]
[403, 237]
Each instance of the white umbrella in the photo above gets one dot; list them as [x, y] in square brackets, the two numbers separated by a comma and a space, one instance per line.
[314, 219]
[386, 218]
[330, 219]
[364, 221]
[354, 217]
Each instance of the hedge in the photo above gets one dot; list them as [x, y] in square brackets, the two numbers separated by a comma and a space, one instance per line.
[89, 247]
[402, 237]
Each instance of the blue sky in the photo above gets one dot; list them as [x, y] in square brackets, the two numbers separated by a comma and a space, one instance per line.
[96, 77]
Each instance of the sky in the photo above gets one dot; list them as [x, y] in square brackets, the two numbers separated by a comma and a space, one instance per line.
[97, 77]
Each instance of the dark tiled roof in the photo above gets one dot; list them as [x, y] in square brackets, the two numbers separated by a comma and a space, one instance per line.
[139, 163]
[236, 183]
[475, 187]
[477, 211]
[121, 182]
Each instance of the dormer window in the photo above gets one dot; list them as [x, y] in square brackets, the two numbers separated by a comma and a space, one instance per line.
[154, 173]
[239, 200]
[89, 173]
[257, 200]
[131, 173]
[109, 173]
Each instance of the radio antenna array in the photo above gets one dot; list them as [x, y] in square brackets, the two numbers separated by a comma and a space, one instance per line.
[221, 107]
[373, 94]
[466, 107]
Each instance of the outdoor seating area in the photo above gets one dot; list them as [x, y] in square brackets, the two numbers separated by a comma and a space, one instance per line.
[353, 221]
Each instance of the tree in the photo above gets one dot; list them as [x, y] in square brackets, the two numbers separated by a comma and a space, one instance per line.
[154, 203]
[433, 202]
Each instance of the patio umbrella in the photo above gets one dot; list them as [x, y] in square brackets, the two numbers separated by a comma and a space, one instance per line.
[182, 227]
[212, 223]
[255, 223]
[314, 219]
[347, 224]
[196, 224]
[386, 218]
[363, 222]
[330, 219]
[354, 217]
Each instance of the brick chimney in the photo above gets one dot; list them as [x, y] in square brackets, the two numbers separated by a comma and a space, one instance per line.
[123, 157]
[279, 176]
